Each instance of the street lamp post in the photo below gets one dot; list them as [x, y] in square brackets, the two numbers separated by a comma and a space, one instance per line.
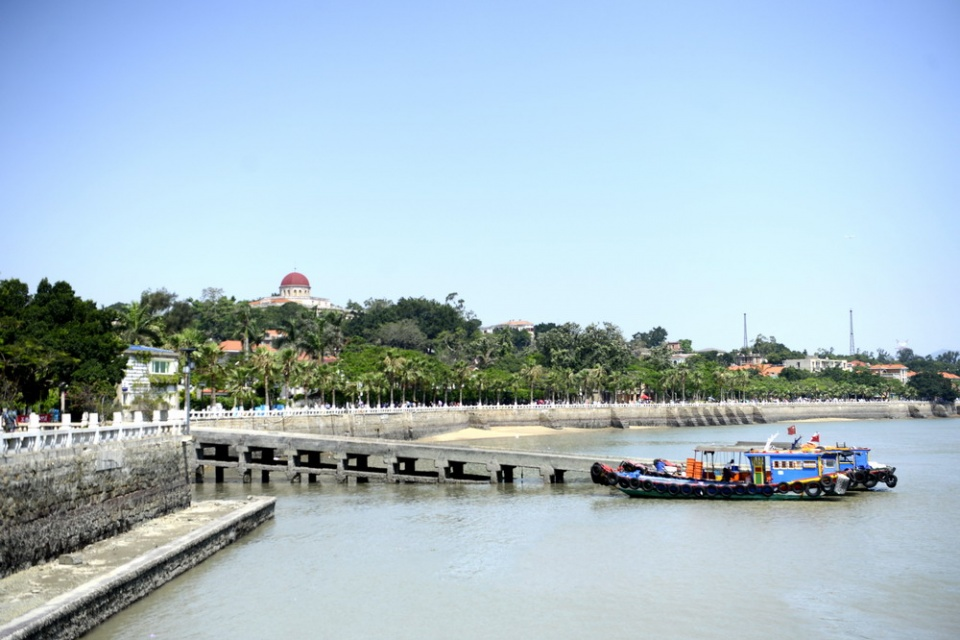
[63, 399]
[186, 368]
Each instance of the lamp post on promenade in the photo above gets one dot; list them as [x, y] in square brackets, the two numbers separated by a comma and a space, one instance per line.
[186, 368]
[63, 399]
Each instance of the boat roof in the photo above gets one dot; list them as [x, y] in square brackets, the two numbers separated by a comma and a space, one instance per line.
[787, 445]
[726, 448]
[780, 448]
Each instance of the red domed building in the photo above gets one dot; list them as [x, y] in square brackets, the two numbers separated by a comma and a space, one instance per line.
[295, 287]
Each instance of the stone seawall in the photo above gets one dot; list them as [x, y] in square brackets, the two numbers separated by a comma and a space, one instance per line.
[70, 613]
[414, 424]
[56, 501]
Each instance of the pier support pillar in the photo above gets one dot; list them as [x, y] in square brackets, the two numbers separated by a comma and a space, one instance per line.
[218, 475]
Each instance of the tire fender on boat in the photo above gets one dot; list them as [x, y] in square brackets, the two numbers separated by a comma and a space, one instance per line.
[612, 478]
[813, 490]
[891, 481]
[597, 473]
[783, 487]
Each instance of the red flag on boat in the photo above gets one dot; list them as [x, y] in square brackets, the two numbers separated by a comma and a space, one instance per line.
[815, 439]
[791, 430]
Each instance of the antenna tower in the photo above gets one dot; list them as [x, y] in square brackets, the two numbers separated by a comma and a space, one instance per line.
[744, 331]
[853, 348]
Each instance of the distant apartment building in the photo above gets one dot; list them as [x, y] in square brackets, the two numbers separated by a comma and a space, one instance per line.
[519, 325]
[816, 365]
[893, 371]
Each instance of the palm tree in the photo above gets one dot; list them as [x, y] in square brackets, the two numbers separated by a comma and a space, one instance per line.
[249, 324]
[189, 338]
[286, 360]
[669, 380]
[333, 330]
[392, 368]
[139, 325]
[741, 380]
[264, 363]
[696, 378]
[461, 373]
[237, 383]
[594, 379]
[532, 374]
[209, 367]
[724, 378]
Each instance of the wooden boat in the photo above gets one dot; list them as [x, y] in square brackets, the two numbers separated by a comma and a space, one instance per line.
[854, 462]
[765, 476]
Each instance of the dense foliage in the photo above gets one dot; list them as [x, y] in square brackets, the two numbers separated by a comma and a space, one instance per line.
[53, 340]
[413, 350]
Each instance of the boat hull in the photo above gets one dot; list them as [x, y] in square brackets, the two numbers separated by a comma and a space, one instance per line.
[637, 484]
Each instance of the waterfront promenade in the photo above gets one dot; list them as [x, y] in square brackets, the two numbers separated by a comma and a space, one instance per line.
[415, 423]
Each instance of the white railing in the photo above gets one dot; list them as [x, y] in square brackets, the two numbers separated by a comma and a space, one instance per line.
[64, 437]
[40, 436]
[224, 414]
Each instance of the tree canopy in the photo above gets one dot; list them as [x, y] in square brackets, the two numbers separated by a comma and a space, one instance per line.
[53, 338]
[381, 351]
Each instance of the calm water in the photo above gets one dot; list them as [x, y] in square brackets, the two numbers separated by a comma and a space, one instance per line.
[579, 560]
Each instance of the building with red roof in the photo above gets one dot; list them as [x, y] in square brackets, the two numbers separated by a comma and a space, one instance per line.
[295, 287]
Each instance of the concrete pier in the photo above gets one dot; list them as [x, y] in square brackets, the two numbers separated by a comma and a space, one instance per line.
[66, 599]
[294, 456]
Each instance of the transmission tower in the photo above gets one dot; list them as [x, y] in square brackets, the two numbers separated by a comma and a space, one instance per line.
[853, 348]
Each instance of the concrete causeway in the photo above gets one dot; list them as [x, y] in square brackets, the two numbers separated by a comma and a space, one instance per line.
[295, 455]
[67, 598]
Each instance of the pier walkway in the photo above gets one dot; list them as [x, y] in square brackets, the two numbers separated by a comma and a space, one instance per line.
[295, 455]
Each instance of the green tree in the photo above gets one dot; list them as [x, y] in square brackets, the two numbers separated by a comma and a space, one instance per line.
[140, 325]
[653, 338]
[53, 337]
[932, 386]
[264, 363]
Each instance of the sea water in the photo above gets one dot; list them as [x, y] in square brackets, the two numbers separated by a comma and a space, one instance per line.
[578, 560]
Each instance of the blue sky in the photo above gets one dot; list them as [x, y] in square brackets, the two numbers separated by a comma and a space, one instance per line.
[643, 163]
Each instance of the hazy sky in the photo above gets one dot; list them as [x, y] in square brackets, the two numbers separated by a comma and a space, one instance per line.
[643, 163]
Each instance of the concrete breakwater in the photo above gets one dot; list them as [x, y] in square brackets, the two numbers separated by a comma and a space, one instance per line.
[413, 423]
[67, 599]
[56, 501]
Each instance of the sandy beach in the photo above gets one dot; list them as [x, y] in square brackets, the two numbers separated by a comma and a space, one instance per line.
[497, 432]
[536, 430]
